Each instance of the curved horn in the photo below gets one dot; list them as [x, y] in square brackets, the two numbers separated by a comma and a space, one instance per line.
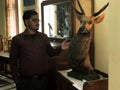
[80, 7]
[101, 10]
[80, 13]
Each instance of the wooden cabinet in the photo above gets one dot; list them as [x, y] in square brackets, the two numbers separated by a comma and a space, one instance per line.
[97, 85]
[63, 83]
[66, 83]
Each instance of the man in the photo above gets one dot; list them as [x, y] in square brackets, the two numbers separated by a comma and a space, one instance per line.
[30, 54]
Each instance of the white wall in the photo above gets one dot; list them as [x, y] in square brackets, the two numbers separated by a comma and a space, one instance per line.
[101, 39]
[114, 45]
[107, 40]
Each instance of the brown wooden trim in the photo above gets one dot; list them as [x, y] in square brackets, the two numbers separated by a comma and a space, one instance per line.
[100, 84]
[53, 1]
[102, 73]
[92, 46]
[73, 18]
[16, 15]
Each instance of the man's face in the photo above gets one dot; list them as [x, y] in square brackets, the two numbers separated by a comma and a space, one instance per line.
[33, 23]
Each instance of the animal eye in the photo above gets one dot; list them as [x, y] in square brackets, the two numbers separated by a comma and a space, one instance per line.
[90, 22]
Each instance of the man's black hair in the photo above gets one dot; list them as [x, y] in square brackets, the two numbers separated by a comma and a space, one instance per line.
[28, 14]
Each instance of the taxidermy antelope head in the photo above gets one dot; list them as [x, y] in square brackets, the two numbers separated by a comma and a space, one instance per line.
[78, 53]
[87, 22]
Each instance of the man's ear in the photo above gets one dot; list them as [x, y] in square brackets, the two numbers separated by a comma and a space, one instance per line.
[100, 18]
[26, 22]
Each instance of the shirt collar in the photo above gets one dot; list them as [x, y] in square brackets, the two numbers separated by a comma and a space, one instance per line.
[26, 34]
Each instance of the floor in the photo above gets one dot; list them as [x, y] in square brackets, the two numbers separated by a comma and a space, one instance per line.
[6, 83]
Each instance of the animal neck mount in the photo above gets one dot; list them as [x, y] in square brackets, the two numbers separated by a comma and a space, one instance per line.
[79, 58]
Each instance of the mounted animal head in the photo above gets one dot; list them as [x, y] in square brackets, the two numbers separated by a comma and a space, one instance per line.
[86, 22]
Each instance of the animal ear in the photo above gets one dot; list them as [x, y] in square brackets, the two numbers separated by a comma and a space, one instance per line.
[100, 18]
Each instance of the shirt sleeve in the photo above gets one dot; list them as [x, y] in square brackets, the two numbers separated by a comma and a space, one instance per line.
[14, 60]
[52, 51]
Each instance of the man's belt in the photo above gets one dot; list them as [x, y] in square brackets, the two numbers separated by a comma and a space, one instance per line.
[33, 77]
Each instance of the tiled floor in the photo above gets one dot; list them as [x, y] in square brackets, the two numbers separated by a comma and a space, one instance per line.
[6, 83]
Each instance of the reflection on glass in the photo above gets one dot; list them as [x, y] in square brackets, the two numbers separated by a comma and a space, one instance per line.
[57, 20]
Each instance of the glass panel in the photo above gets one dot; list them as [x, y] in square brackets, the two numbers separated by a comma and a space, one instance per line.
[57, 20]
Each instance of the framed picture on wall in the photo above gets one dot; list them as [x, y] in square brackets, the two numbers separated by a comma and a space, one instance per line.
[28, 2]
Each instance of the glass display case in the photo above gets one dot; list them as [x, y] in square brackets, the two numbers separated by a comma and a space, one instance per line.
[57, 19]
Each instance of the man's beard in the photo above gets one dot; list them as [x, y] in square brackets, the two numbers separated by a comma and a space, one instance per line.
[35, 29]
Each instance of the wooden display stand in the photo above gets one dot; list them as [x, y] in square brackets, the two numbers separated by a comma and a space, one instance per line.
[65, 82]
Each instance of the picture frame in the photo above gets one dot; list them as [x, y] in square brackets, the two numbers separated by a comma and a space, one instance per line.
[28, 2]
